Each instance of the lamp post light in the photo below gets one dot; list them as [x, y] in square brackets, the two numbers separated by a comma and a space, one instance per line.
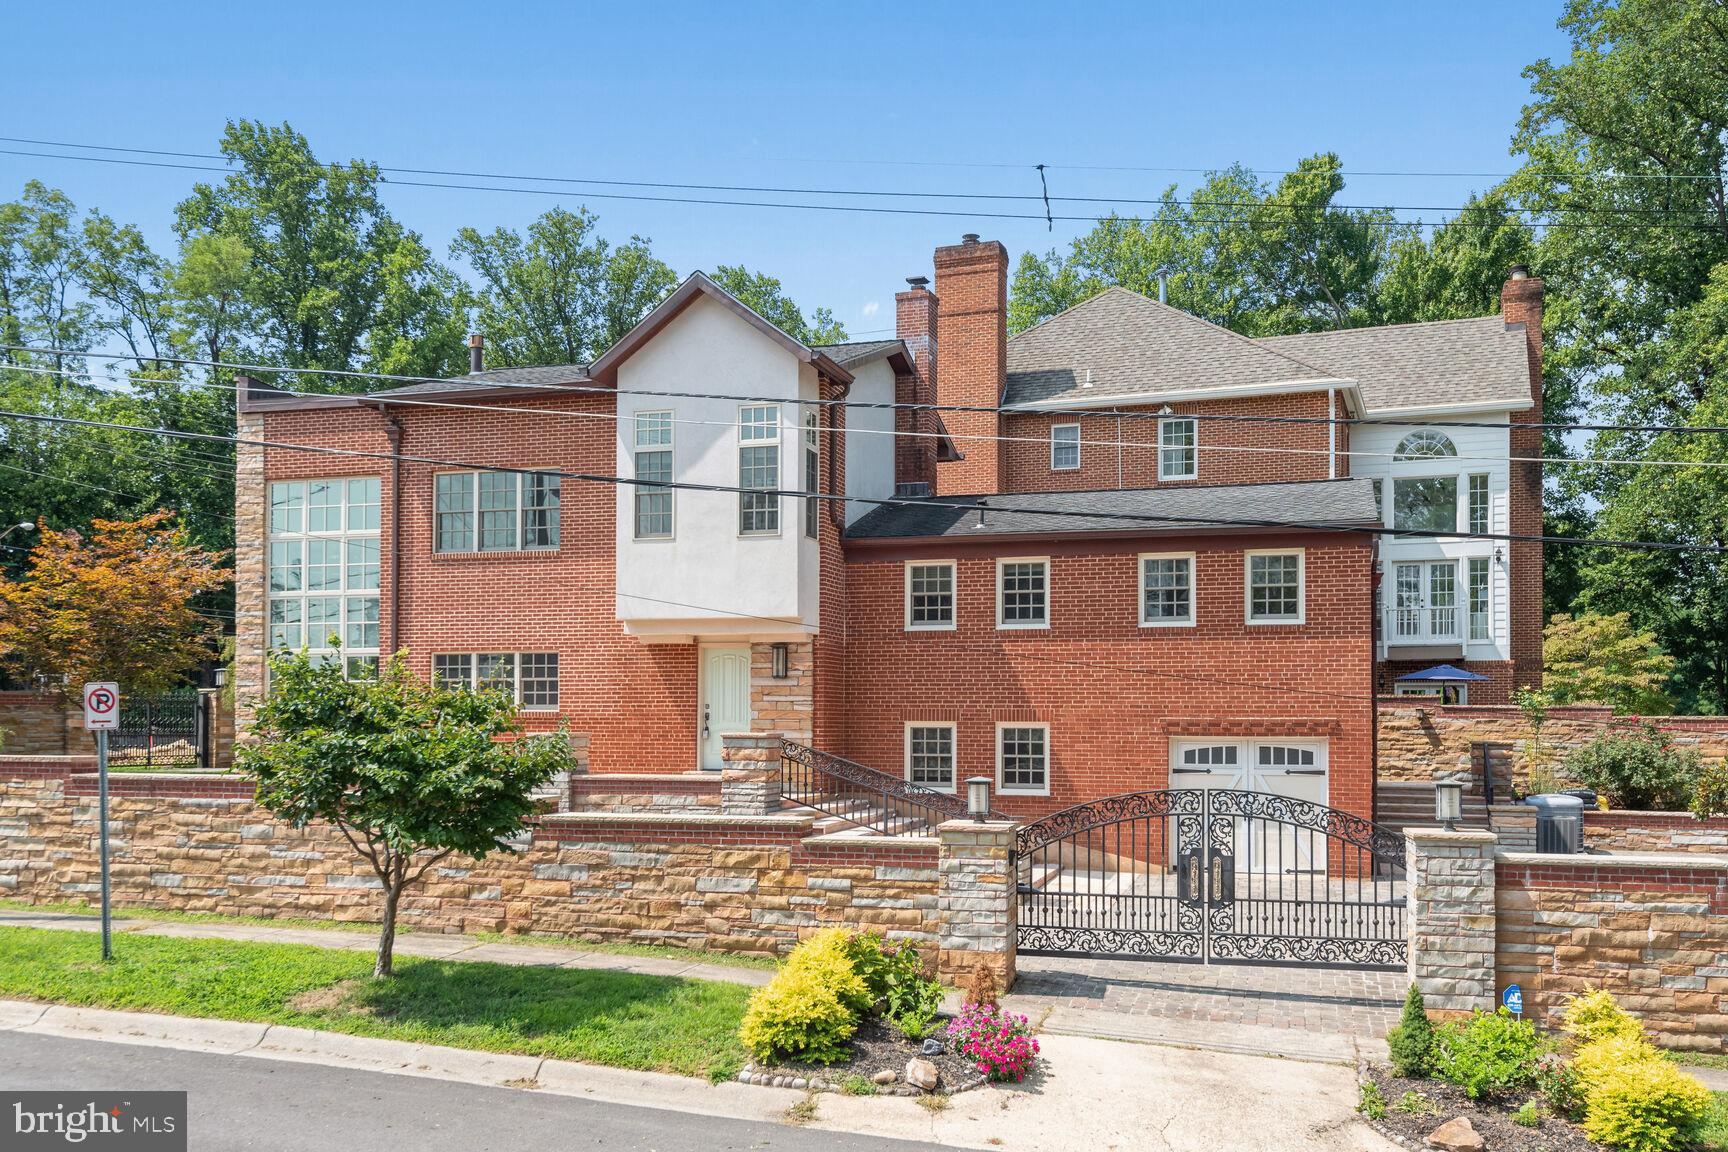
[978, 798]
[1449, 803]
[21, 526]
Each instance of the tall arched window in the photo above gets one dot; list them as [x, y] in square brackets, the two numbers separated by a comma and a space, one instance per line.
[1423, 444]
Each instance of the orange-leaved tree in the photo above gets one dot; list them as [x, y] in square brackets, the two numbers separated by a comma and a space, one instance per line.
[116, 605]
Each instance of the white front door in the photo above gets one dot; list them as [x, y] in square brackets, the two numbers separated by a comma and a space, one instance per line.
[725, 699]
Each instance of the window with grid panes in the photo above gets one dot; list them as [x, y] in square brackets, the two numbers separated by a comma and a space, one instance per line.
[1478, 502]
[930, 595]
[1275, 587]
[1481, 626]
[930, 756]
[812, 477]
[1167, 590]
[1178, 454]
[1064, 447]
[759, 467]
[496, 511]
[653, 448]
[1022, 758]
[322, 581]
[1022, 594]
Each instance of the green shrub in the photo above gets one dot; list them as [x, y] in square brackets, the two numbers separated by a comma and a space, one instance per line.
[1416, 1104]
[1560, 1086]
[1528, 1115]
[1371, 1101]
[1412, 1041]
[900, 982]
[1710, 797]
[1645, 1106]
[811, 1007]
[1489, 1055]
[1641, 770]
[1595, 1016]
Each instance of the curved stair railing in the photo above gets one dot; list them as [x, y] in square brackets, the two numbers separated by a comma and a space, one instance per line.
[862, 796]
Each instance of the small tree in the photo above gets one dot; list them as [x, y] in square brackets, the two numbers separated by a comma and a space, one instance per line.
[408, 772]
[1411, 1043]
[116, 606]
[1603, 659]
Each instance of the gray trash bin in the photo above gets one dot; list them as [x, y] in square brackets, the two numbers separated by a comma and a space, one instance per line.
[1559, 823]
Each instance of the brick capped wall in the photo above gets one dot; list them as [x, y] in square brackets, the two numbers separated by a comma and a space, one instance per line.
[200, 844]
[41, 724]
[1621, 831]
[1113, 693]
[1653, 930]
[1122, 452]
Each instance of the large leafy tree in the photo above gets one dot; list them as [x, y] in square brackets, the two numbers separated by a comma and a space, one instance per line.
[765, 296]
[116, 606]
[1604, 659]
[560, 293]
[407, 772]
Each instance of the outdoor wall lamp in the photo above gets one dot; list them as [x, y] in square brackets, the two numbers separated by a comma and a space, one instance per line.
[781, 654]
[1449, 803]
[219, 677]
[978, 798]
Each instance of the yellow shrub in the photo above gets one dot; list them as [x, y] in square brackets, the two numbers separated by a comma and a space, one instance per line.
[811, 1007]
[1595, 1062]
[1645, 1106]
[1595, 1016]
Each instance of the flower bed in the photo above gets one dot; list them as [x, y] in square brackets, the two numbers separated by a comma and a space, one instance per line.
[877, 1049]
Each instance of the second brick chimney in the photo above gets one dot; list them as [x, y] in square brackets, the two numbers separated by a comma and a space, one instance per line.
[1521, 303]
[915, 439]
[972, 295]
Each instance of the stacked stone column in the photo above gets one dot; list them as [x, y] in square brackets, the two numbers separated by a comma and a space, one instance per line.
[975, 898]
[1450, 897]
[750, 782]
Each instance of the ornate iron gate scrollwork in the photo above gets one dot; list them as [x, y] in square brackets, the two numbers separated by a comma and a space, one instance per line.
[1212, 875]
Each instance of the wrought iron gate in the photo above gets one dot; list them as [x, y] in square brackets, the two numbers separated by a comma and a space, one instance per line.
[163, 731]
[1212, 875]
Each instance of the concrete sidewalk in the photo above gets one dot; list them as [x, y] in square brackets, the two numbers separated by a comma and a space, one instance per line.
[430, 945]
[1093, 1094]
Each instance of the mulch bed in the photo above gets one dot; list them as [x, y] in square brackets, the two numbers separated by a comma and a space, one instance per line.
[1492, 1121]
[877, 1046]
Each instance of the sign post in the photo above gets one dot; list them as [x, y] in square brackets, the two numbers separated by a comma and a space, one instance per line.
[101, 716]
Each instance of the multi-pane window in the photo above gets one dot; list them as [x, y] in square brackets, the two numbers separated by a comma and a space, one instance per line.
[1064, 447]
[812, 477]
[1022, 594]
[323, 570]
[496, 511]
[652, 445]
[930, 756]
[1424, 444]
[1425, 504]
[1425, 601]
[930, 595]
[1478, 502]
[530, 679]
[1274, 587]
[1166, 590]
[1023, 758]
[759, 468]
[1178, 454]
[1481, 627]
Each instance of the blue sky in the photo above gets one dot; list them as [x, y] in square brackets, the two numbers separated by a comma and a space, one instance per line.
[886, 96]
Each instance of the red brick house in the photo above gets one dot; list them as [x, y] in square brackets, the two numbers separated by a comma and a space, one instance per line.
[1131, 548]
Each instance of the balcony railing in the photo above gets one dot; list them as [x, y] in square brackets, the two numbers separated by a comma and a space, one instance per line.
[1432, 625]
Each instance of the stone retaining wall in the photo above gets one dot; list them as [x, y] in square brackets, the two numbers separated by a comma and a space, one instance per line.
[1653, 930]
[199, 843]
[1624, 831]
[646, 792]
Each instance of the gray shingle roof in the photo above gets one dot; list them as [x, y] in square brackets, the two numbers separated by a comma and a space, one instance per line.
[1473, 361]
[858, 351]
[495, 378]
[1326, 502]
[1132, 345]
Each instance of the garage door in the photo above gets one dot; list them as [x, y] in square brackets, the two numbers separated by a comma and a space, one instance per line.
[1292, 768]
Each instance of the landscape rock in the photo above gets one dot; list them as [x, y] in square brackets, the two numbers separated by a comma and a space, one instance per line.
[884, 1077]
[1456, 1135]
[922, 1074]
[932, 1046]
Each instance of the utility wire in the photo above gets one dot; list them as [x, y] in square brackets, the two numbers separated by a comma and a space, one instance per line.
[973, 508]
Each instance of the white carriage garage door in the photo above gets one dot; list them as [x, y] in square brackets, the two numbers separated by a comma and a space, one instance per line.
[1293, 768]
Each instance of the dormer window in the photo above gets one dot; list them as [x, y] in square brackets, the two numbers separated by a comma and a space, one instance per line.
[1424, 444]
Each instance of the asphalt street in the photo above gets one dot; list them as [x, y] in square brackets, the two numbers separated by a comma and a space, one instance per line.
[242, 1102]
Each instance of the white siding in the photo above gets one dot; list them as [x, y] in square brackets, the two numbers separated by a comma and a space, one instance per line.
[869, 438]
[721, 582]
[1480, 450]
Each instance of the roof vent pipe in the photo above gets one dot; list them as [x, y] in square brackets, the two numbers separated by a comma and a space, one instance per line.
[1163, 286]
[918, 282]
[476, 352]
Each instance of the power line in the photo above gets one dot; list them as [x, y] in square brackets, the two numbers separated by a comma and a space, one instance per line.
[1163, 521]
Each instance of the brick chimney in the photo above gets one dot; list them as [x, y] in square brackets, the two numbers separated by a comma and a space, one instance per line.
[915, 443]
[972, 295]
[1521, 303]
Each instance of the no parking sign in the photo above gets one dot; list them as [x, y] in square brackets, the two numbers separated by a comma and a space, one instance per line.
[101, 706]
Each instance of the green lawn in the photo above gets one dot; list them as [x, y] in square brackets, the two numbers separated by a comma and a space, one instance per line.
[1714, 1137]
[619, 1019]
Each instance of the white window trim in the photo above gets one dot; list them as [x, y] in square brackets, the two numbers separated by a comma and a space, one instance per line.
[1488, 590]
[1193, 590]
[953, 753]
[953, 592]
[635, 449]
[1055, 467]
[1301, 616]
[773, 441]
[1193, 474]
[1021, 791]
[1024, 625]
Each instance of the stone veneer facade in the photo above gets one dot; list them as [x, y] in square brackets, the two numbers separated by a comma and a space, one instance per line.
[1450, 896]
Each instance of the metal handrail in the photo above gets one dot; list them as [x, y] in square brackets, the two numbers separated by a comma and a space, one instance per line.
[861, 795]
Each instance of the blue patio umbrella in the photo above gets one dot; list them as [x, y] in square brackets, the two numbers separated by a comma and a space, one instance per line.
[1442, 672]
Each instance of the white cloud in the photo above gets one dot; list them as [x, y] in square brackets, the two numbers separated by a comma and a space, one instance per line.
[871, 308]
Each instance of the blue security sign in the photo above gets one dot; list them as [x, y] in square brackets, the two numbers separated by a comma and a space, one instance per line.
[1513, 999]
